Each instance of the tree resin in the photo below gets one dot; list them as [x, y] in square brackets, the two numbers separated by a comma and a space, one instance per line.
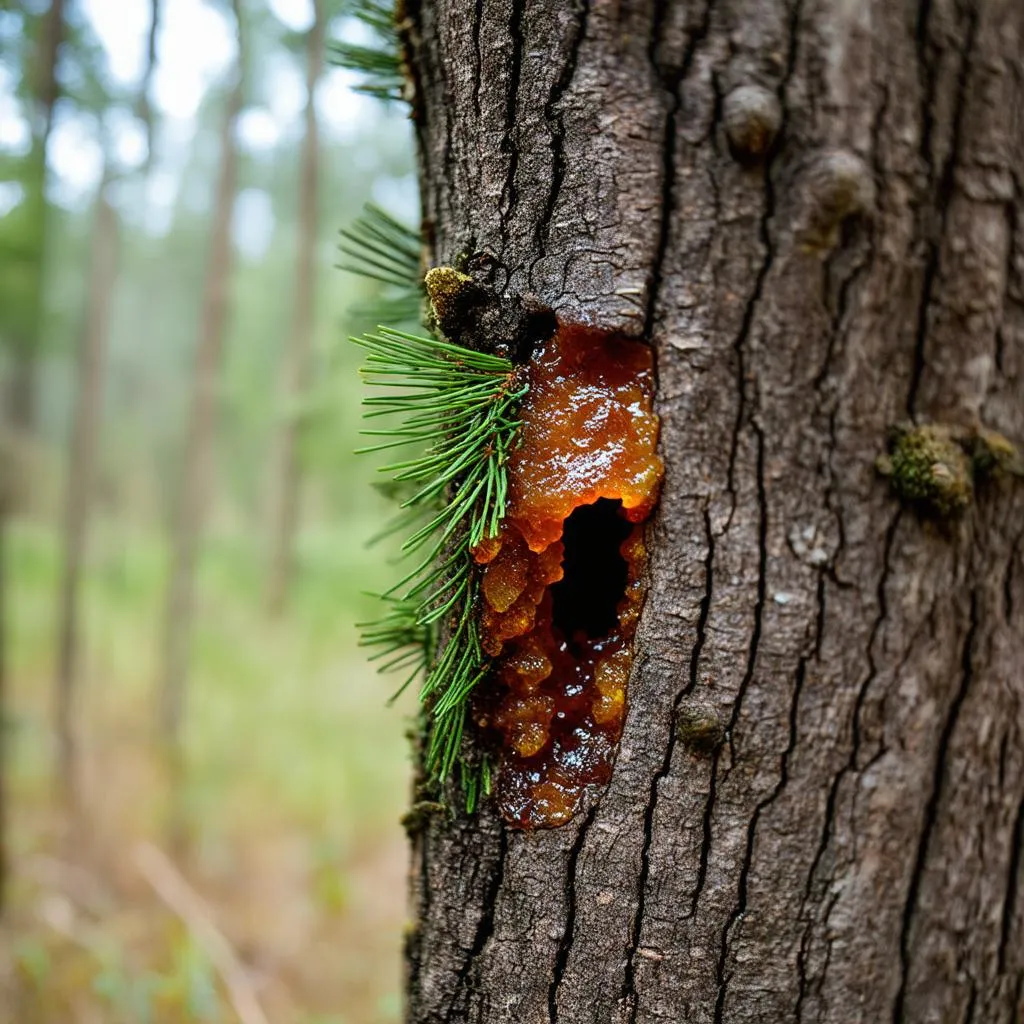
[562, 581]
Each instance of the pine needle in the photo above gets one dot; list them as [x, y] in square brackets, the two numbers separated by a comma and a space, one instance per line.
[383, 249]
[457, 409]
[379, 62]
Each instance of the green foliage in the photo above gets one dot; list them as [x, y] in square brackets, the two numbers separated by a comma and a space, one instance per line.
[383, 249]
[456, 408]
[401, 638]
[188, 986]
[32, 959]
[380, 62]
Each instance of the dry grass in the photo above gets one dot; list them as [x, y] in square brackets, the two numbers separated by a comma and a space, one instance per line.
[295, 781]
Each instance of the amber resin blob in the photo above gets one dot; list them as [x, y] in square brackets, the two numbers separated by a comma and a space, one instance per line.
[561, 582]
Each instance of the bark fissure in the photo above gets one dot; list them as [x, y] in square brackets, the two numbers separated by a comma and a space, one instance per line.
[803, 982]
[927, 81]
[510, 140]
[748, 857]
[972, 1002]
[565, 945]
[762, 575]
[485, 926]
[421, 897]
[448, 158]
[672, 82]
[1012, 256]
[705, 842]
[1015, 552]
[1012, 887]
[851, 763]
[932, 807]
[410, 32]
[629, 994]
[556, 122]
[478, 17]
[764, 236]
[940, 205]
[705, 608]
[748, 675]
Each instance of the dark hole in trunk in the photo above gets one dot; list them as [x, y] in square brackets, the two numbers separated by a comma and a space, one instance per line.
[585, 599]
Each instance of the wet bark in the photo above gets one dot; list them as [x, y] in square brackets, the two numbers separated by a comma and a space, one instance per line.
[852, 851]
[288, 476]
[179, 610]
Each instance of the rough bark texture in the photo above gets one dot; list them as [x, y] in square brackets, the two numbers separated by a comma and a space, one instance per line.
[179, 611]
[852, 852]
[288, 477]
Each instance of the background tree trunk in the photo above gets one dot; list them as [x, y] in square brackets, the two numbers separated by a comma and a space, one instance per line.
[852, 852]
[194, 484]
[21, 385]
[17, 400]
[84, 441]
[287, 480]
[144, 101]
[82, 450]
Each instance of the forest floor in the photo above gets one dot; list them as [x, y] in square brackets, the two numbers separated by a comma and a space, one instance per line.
[295, 779]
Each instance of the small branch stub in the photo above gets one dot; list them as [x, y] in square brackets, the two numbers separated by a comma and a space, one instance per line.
[752, 116]
[453, 298]
[837, 185]
[700, 727]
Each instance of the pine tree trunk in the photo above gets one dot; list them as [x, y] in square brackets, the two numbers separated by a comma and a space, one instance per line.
[287, 481]
[21, 384]
[143, 101]
[82, 451]
[194, 485]
[17, 390]
[852, 851]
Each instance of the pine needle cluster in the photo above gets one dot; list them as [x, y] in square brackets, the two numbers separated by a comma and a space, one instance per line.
[378, 247]
[452, 412]
[379, 62]
[456, 410]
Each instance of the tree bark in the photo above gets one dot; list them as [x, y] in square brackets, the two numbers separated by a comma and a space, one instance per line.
[21, 384]
[194, 485]
[288, 477]
[83, 446]
[17, 414]
[852, 852]
[82, 450]
[143, 103]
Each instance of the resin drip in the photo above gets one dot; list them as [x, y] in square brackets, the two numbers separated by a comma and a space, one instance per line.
[562, 580]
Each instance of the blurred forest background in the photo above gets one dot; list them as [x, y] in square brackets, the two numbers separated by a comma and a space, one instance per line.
[202, 783]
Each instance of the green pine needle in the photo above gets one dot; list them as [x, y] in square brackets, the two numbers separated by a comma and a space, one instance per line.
[402, 642]
[380, 63]
[456, 409]
[383, 249]
[476, 782]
